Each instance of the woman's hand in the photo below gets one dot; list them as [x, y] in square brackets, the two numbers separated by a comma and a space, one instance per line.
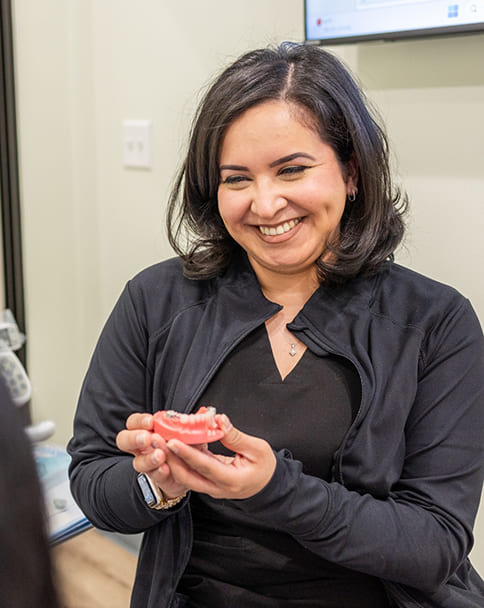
[240, 476]
[149, 451]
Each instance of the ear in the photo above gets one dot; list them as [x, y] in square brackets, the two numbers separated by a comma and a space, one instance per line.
[352, 174]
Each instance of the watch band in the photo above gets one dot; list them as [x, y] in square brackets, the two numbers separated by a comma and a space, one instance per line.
[153, 496]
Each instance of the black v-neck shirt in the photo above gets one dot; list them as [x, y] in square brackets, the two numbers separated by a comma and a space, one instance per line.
[307, 413]
[237, 563]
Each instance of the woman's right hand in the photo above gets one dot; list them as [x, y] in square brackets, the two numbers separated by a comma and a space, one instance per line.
[149, 451]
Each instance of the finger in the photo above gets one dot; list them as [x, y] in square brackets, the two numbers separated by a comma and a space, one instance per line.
[157, 441]
[145, 463]
[168, 485]
[235, 440]
[133, 441]
[224, 459]
[188, 477]
[203, 447]
[140, 421]
[202, 464]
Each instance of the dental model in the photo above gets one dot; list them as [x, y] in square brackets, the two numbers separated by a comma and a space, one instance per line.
[200, 427]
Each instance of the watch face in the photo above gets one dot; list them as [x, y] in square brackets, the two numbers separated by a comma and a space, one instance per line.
[148, 495]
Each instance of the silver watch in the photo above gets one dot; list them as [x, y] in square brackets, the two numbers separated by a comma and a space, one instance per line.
[153, 496]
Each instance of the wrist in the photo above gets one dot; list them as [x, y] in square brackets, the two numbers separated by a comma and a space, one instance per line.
[154, 496]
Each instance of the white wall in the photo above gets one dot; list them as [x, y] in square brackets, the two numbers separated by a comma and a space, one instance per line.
[431, 93]
[89, 224]
[55, 99]
[83, 66]
[172, 53]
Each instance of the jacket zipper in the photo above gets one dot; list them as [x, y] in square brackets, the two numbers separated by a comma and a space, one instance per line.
[187, 558]
[191, 405]
[396, 591]
[218, 363]
[338, 475]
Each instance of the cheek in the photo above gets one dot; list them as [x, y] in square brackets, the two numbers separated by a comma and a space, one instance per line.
[222, 205]
[223, 209]
[327, 198]
[231, 208]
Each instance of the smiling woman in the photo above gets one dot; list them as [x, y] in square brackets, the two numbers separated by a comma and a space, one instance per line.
[321, 99]
[348, 390]
[282, 210]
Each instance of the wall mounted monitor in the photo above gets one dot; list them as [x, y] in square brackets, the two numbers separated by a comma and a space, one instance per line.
[344, 21]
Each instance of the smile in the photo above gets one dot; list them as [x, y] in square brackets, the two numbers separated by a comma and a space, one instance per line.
[280, 229]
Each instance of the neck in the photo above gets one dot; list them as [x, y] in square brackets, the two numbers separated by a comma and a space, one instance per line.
[291, 291]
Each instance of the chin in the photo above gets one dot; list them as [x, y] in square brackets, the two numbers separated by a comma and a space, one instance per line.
[289, 266]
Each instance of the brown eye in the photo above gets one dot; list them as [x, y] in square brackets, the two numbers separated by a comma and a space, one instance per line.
[293, 170]
[235, 182]
[234, 179]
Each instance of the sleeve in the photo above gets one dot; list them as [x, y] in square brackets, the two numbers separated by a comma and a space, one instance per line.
[103, 481]
[420, 534]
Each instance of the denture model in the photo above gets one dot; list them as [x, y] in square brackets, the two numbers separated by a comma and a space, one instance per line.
[200, 427]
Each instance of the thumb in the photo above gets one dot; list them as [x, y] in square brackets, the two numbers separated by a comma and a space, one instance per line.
[237, 441]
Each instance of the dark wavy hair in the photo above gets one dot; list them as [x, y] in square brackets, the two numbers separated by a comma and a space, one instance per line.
[372, 225]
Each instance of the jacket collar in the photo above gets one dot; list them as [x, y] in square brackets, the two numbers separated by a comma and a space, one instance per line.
[242, 293]
[328, 309]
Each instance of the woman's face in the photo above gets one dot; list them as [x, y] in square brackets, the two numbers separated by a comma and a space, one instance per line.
[282, 190]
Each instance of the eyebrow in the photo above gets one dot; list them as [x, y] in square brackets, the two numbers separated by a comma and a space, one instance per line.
[289, 157]
[233, 168]
[279, 161]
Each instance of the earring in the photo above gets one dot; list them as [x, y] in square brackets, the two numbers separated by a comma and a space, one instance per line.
[352, 196]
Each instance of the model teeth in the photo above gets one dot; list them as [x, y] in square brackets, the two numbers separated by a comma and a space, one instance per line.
[281, 229]
[210, 414]
[192, 419]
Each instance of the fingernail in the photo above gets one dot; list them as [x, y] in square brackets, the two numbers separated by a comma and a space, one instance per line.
[141, 440]
[226, 424]
[173, 447]
[155, 458]
[146, 422]
[155, 444]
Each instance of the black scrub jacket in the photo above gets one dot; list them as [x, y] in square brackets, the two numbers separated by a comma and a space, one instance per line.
[407, 477]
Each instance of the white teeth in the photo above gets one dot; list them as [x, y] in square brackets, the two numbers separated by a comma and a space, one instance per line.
[211, 411]
[281, 229]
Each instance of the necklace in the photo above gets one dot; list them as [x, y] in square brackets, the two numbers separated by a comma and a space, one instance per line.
[293, 351]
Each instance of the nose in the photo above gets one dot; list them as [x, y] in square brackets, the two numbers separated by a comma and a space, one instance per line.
[267, 201]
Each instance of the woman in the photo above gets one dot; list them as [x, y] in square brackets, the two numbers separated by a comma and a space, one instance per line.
[350, 389]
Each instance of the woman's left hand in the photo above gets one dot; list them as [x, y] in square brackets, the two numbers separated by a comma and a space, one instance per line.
[240, 476]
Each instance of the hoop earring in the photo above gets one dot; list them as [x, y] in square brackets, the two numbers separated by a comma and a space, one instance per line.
[352, 196]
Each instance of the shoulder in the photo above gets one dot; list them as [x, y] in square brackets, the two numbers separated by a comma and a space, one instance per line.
[171, 269]
[439, 314]
[412, 299]
[395, 276]
[161, 292]
[165, 280]
[157, 294]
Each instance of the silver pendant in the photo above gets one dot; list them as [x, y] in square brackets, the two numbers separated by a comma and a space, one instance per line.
[292, 352]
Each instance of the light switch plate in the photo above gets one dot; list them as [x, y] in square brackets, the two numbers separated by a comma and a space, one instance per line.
[137, 143]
